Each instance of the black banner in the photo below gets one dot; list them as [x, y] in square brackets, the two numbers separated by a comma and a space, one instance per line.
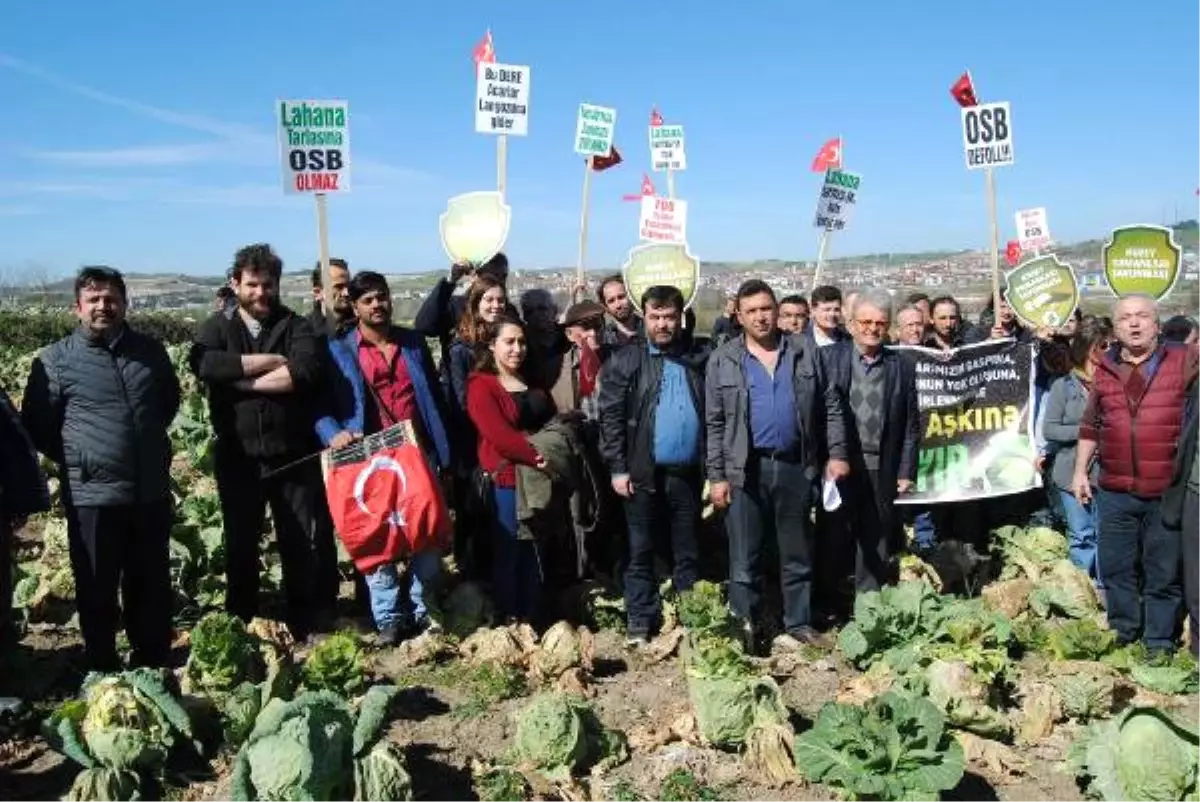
[976, 407]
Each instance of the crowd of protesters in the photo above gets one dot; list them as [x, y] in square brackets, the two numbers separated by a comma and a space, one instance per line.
[578, 444]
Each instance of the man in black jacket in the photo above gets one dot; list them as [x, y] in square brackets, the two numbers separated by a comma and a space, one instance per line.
[262, 367]
[1181, 511]
[343, 312]
[98, 403]
[883, 431]
[774, 427]
[651, 410]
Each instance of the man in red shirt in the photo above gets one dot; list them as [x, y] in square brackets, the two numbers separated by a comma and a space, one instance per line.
[385, 375]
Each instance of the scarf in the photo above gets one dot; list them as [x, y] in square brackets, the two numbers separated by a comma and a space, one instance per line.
[589, 369]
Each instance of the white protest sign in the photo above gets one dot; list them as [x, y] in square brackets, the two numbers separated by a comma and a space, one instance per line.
[501, 99]
[594, 130]
[987, 135]
[314, 145]
[663, 220]
[1033, 232]
[666, 148]
[838, 196]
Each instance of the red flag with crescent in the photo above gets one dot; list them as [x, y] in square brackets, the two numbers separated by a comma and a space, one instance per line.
[829, 156]
[1012, 253]
[484, 52]
[386, 506]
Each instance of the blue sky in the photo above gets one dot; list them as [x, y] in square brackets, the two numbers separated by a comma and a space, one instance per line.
[141, 134]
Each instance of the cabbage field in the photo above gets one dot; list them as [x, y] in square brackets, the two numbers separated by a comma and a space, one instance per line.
[1016, 691]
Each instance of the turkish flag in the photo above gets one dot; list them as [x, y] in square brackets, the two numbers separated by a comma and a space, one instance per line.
[964, 91]
[601, 163]
[829, 156]
[656, 119]
[484, 52]
[647, 189]
[1012, 254]
[386, 506]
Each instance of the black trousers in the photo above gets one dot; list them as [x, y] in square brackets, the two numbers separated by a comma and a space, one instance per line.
[126, 549]
[875, 531]
[771, 506]
[7, 624]
[306, 547]
[662, 523]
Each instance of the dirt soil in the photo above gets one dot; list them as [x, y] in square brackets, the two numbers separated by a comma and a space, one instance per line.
[443, 734]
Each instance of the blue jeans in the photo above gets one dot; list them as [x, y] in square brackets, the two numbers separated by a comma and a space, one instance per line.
[516, 567]
[1082, 523]
[1132, 532]
[924, 533]
[384, 583]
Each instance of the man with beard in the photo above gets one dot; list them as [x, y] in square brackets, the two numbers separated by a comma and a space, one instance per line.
[262, 367]
[945, 324]
[621, 323]
[343, 314]
[651, 417]
[98, 403]
[384, 375]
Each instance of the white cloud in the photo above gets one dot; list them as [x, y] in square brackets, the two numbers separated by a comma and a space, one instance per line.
[251, 138]
[151, 156]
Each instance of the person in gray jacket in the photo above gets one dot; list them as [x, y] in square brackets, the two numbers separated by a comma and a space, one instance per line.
[1060, 427]
[98, 403]
[771, 420]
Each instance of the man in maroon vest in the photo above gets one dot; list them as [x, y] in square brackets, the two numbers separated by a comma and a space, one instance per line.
[1132, 422]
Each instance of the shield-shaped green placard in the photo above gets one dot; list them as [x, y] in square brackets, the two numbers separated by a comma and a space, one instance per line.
[475, 227]
[661, 263]
[1142, 259]
[1043, 292]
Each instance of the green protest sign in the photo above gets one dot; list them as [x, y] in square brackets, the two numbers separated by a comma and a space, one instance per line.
[661, 264]
[1141, 259]
[474, 227]
[1042, 292]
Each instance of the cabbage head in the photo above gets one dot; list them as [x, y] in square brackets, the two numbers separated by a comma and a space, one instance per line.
[560, 735]
[1142, 754]
[122, 730]
[298, 750]
[380, 775]
[104, 785]
[223, 655]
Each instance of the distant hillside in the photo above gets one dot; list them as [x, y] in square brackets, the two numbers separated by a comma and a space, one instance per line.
[176, 288]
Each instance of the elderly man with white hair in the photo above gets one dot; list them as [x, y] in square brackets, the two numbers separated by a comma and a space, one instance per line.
[1132, 424]
[883, 429]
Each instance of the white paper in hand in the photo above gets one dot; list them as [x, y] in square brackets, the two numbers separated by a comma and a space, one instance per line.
[830, 497]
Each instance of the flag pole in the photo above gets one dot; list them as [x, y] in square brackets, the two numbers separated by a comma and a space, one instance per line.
[991, 193]
[820, 258]
[502, 165]
[323, 255]
[670, 183]
[583, 219]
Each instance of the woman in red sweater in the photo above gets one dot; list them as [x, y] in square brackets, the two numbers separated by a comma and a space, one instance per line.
[505, 411]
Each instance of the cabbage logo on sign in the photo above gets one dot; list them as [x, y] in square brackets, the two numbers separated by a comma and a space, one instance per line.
[475, 227]
[1043, 292]
[1141, 260]
[661, 264]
